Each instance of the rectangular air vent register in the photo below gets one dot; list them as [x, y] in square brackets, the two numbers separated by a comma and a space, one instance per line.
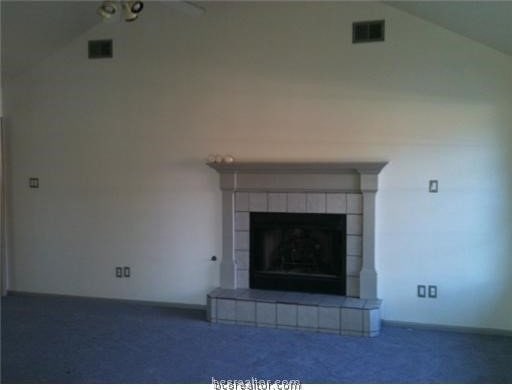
[368, 31]
[100, 49]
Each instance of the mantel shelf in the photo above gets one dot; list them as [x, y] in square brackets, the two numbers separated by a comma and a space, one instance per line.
[361, 167]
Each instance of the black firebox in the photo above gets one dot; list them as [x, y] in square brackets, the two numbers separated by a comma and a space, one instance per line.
[298, 252]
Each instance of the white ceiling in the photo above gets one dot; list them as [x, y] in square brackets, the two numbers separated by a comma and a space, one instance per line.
[487, 22]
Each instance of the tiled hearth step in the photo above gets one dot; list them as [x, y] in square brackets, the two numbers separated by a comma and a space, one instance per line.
[294, 310]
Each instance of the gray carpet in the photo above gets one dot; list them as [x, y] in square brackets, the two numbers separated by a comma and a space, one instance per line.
[71, 340]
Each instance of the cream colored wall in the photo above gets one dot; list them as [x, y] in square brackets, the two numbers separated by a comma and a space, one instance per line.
[119, 145]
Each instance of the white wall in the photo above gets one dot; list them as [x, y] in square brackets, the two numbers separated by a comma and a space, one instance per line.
[119, 145]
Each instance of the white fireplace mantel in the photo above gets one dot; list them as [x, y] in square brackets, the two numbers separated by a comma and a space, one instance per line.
[257, 183]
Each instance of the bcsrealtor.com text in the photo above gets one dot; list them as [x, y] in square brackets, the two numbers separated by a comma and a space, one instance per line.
[255, 384]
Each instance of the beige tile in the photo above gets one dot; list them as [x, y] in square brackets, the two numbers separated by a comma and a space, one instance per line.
[241, 201]
[226, 309]
[353, 286]
[354, 246]
[352, 320]
[286, 314]
[315, 203]
[329, 318]
[354, 265]
[307, 316]
[296, 203]
[242, 278]
[245, 311]
[354, 204]
[241, 220]
[355, 224]
[258, 201]
[336, 203]
[242, 240]
[371, 319]
[266, 313]
[242, 259]
[277, 202]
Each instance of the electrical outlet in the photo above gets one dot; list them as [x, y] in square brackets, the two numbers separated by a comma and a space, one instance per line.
[433, 186]
[432, 291]
[119, 272]
[422, 291]
[126, 272]
[33, 182]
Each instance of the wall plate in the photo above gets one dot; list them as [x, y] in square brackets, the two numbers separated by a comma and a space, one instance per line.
[33, 182]
[422, 291]
[119, 272]
[432, 291]
[433, 186]
[126, 272]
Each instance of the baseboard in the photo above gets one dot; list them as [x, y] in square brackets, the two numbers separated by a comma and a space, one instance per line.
[176, 305]
[449, 328]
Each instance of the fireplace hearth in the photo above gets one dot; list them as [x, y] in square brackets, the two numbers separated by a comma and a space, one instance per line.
[298, 252]
[298, 243]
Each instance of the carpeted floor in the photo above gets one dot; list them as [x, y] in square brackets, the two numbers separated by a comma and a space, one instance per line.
[67, 340]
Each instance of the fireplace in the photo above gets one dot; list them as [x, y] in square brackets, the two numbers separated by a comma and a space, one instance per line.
[307, 227]
[298, 252]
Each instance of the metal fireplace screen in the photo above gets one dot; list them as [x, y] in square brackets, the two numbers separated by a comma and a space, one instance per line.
[298, 252]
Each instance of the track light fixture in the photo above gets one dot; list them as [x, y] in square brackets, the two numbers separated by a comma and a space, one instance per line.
[135, 6]
[107, 9]
[131, 9]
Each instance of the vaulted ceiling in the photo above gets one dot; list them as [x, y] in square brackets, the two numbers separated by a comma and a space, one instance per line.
[48, 25]
[487, 22]
[42, 26]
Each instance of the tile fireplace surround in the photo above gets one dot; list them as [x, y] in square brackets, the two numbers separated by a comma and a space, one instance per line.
[333, 188]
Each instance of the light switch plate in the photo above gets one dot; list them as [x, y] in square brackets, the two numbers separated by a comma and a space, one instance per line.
[119, 272]
[433, 186]
[432, 291]
[126, 272]
[33, 182]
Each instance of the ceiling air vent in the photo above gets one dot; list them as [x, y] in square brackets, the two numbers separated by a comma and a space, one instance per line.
[369, 31]
[100, 49]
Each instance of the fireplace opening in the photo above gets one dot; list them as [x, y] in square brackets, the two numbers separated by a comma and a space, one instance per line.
[298, 252]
